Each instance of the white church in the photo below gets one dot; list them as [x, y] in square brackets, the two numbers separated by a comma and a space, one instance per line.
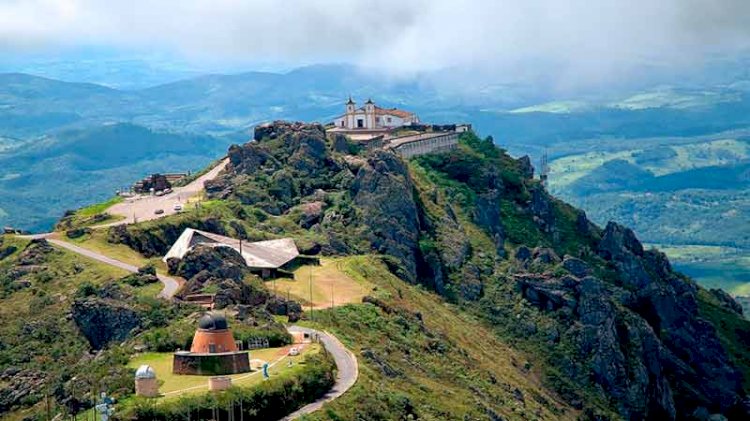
[372, 117]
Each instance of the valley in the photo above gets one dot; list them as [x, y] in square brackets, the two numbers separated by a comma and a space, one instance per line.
[688, 195]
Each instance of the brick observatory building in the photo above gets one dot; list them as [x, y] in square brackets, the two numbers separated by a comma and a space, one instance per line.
[213, 351]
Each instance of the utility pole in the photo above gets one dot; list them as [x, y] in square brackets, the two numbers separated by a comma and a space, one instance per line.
[544, 169]
[46, 402]
[311, 299]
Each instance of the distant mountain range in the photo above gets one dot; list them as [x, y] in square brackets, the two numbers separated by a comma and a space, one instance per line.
[86, 140]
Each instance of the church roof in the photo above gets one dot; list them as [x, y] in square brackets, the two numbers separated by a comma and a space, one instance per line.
[269, 254]
[393, 111]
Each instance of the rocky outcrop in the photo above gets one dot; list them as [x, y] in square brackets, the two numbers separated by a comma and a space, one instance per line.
[624, 354]
[156, 240]
[19, 386]
[549, 293]
[35, 253]
[576, 267]
[221, 262]
[219, 269]
[283, 307]
[487, 215]
[383, 191]
[526, 168]
[541, 209]
[726, 300]
[645, 343]
[103, 321]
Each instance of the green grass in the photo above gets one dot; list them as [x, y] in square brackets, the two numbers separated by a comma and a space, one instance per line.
[712, 266]
[420, 356]
[98, 208]
[173, 386]
[568, 169]
[330, 281]
[97, 241]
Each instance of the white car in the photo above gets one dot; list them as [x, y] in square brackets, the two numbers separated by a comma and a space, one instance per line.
[294, 352]
[178, 207]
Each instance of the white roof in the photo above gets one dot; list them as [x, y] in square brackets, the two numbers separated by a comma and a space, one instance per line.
[270, 254]
[145, 372]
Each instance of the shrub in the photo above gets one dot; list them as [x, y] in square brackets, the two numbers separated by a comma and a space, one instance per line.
[270, 400]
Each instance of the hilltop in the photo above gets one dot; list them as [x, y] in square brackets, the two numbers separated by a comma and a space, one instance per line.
[489, 298]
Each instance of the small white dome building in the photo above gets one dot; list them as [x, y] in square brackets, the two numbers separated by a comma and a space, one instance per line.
[146, 383]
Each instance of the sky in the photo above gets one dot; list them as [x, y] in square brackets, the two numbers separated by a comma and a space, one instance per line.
[568, 42]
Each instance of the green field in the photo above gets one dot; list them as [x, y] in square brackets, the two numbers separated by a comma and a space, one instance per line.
[672, 192]
[178, 385]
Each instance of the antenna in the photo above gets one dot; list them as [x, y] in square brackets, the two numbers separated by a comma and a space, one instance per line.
[311, 296]
[544, 168]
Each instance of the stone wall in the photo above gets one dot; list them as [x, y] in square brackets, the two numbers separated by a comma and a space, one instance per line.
[432, 144]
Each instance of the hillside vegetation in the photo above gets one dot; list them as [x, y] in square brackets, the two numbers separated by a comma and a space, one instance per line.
[608, 328]
[488, 298]
[684, 194]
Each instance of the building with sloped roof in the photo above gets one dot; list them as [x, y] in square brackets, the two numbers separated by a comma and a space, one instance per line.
[264, 257]
[372, 117]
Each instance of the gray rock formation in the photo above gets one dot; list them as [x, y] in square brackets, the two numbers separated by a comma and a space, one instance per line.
[382, 190]
[103, 321]
[221, 269]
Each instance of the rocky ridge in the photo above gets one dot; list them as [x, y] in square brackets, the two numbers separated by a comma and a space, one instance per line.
[633, 326]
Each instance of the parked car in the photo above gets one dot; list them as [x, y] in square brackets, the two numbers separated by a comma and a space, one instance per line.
[177, 207]
[158, 211]
[159, 193]
[294, 352]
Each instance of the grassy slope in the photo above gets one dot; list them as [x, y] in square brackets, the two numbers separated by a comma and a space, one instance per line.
[35, 332]
[449, 365]
[329, 283]
[177, 385]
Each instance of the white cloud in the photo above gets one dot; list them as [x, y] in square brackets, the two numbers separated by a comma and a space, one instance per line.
[577, 40]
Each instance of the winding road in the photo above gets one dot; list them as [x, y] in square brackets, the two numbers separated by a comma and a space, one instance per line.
[171, 285]
[346, 376]
[143, 209]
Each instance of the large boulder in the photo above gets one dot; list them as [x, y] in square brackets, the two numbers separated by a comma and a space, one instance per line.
[35, 253]
[219, 262]
[103, 321]
[383, 191]
[222, 270]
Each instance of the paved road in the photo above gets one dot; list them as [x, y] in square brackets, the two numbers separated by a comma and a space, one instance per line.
[346, 363]
[171, 285]
[142, 208]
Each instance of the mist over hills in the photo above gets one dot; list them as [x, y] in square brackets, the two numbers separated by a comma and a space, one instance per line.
[83, 131]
